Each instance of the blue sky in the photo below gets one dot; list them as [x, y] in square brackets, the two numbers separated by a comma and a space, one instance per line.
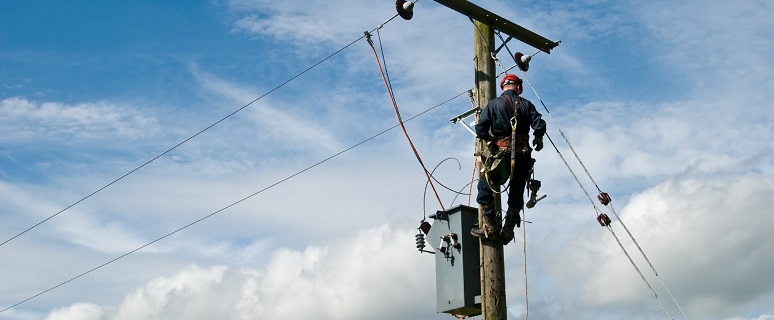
[668, 104]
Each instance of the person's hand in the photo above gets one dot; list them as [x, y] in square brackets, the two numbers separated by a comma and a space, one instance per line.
[538, 143]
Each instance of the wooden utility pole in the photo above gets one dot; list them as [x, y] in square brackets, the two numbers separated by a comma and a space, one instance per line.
[493, 305]
[492, 264]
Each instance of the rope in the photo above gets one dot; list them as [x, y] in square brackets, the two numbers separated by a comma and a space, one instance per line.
[526, 291]
[400, 121]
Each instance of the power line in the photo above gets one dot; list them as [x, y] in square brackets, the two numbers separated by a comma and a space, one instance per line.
[193, 136]
[231, 205]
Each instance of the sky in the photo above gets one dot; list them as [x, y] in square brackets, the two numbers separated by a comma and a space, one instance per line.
[224, 160]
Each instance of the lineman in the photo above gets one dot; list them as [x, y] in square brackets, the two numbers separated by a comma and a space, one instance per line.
[507, 138]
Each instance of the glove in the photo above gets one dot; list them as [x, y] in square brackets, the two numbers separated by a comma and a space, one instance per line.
[538, 143]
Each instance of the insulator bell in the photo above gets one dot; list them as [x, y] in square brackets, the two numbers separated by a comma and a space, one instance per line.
[522, 61]
[604, 198]
[405, 9]
[603, 220]
[420, 241]
[425, 226]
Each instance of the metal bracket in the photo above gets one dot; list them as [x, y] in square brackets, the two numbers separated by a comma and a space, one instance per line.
[460, 119]
[499, 23]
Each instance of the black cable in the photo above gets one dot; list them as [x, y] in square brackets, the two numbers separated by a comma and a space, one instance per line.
[181, 143]
[427, 183]
[461, 193]
[381, 49]
[439, 182]
[230, 205]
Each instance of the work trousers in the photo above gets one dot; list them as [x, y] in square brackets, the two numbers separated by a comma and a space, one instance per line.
[522, 167]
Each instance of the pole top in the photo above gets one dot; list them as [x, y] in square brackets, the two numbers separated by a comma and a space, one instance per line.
[499, 23]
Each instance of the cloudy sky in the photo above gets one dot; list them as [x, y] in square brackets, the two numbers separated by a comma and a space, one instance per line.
[667, 103]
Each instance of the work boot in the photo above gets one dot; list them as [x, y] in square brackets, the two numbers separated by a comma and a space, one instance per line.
[506, 234]
[488, 230]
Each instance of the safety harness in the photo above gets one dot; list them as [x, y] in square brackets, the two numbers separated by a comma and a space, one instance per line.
[510, 145]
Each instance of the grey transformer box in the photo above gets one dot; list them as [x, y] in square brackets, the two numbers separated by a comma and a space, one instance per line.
[457, 261]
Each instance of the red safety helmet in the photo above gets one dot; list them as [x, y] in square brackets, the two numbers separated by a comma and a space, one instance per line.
[508, 79]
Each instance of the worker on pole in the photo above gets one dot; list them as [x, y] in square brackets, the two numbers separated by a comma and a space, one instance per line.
[505, 124]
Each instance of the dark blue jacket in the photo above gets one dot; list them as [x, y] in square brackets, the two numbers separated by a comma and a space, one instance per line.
[498, 113]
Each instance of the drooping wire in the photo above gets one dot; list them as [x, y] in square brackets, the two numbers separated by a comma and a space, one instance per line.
[400, 121]
[432, 175]
[230, 205]
[459, 167]
[468, 185]
[188, 139]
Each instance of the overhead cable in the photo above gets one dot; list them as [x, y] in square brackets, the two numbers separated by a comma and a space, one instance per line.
[612, 209]
[193, 136]
[230, 205]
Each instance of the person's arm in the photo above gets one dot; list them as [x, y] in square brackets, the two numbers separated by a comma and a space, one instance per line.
[485, 121]
[538, 124]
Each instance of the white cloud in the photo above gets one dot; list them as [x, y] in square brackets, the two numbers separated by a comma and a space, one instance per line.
[376, 274]
[722, 45]
[25, 120]
[99, 234]
[309, 23]
[81, 311]
[699, 166]
[706, 237]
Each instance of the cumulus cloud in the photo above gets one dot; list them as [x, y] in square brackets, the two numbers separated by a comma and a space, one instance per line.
[700, 178]
[375, 275]
[707, 238]
[82, 311]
